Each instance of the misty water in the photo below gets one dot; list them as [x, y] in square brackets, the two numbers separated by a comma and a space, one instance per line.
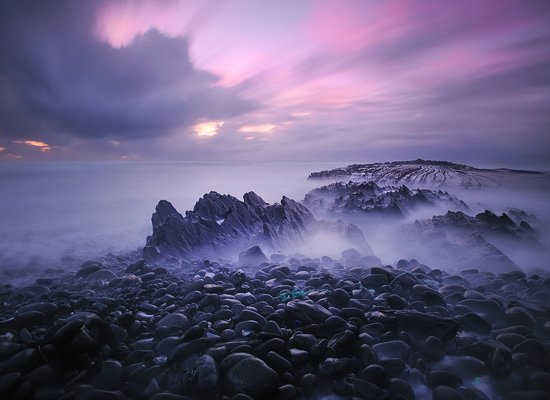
[51, 210]
[71, 211]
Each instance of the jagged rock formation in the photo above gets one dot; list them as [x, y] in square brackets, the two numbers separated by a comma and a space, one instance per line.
[486, 222]
[222, 225]
[425, 173]
[367, 198]
[461, 240]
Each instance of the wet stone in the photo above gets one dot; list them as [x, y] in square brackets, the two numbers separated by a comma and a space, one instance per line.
[30, 318]
[332, 367]
[23, 361]
[174, 320]
[373, 373]
[98, 394]
[272, 329]
[400, 388]
[539, 380]
[286, 392]
[535, 351]
[109, 375]
[298, 356]
[206, 373]
[251, 376]
[100, 276]
[48, 393]
[393, 366]
[520, 316]
[303, 341]
[391, 349]
[375, 280]
[446, 393]
[501, 361]
[46, 308]
[278, 362]
[86, 270]
[335, 323]
[511, 339]
[443, 378]
[339, 298]
[9, 381]
[341, 343]
[246, 328]
[433, 348]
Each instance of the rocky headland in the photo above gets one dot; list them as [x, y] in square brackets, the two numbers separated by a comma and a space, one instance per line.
[427, 173]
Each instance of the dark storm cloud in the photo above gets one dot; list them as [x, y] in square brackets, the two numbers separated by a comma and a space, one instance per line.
[57, 78]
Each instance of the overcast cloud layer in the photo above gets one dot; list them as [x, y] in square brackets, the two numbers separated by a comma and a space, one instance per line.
[289, 80]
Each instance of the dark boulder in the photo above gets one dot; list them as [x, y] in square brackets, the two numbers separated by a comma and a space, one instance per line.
[253, 255]
[253, 377]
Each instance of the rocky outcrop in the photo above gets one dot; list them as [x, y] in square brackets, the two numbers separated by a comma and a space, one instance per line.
[464, 240]
[426, 173]
[222, 225]
[368, 198]
[486, 222]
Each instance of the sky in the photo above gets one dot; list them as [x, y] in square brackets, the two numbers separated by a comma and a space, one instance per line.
[288, 80]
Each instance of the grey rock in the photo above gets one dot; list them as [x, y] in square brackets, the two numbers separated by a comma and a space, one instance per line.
[252, 376]
[368, 198]
[109, 375]
[391, 349]
[219, 224]
[446, 393]
[103, 275]
[333, 367]
[45, 308]
[308, 311]
[535, 351]
[174, 320]
[253, 255]
[443, 378]
[206, 373]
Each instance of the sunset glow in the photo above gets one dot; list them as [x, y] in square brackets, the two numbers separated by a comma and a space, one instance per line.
[264, 128]
[308, 77]
[33, 143]
[209, 128]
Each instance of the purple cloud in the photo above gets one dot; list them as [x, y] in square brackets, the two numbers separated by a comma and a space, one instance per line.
[305, 80]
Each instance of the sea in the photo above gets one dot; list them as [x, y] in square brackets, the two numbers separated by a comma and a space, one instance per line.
[52, 211]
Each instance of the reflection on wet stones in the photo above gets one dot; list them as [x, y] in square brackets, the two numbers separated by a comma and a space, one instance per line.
[213, 331]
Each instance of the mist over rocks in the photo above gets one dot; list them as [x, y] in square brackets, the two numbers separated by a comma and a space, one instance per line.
[224, 226]
[434, 225]
[460, 240]
[368, 198]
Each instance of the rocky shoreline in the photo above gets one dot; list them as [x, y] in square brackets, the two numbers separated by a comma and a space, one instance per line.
[283, 329]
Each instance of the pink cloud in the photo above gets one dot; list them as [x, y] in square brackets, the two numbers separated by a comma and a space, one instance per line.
[119, 22]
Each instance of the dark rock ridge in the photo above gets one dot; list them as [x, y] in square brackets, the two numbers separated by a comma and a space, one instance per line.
[425, 173]
[223, 226]
[486, 224]
[468, 240]
[368, 198]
